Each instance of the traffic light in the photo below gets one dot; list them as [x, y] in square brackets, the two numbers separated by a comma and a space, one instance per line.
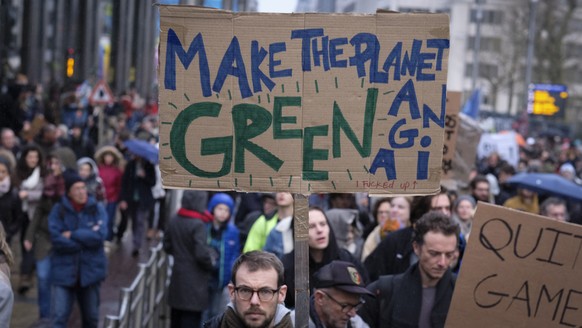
[70, 63]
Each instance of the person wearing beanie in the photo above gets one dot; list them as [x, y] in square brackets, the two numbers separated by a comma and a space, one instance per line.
[463, 211]
[185, 239]
[78, 227]
[224, 240]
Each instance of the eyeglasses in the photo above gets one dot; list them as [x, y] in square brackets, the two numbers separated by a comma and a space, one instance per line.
[265, 294]
[346, 308]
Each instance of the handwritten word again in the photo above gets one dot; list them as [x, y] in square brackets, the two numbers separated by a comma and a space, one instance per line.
[316, 48]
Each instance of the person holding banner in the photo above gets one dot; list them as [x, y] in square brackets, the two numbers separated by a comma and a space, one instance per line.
[419, 297]
[257, 291]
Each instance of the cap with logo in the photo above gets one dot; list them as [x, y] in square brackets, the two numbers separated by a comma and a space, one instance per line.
[342, 275]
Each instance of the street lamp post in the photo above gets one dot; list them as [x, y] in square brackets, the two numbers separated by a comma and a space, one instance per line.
[477, 45]
[530, 47]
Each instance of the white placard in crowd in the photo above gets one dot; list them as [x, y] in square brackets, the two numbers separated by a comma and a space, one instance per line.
[505, 144]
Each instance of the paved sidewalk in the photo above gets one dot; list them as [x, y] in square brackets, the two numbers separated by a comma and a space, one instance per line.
[122, 269]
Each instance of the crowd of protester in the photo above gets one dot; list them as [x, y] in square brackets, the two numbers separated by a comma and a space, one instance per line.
[63, 191]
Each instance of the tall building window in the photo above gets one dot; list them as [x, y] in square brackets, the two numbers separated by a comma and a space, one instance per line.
[485, 70]
[492, 17]
[491, 44]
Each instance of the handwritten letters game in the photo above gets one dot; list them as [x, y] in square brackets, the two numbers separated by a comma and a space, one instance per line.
[519, 270]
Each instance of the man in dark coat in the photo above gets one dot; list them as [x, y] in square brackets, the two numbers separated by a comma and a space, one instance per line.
[419, 297]
[136, 197]
[185, 239]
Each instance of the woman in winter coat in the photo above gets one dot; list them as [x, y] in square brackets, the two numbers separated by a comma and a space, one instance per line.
[387, 223]
[37, 235]
[30, 171]
[110, 163]
[323, 249]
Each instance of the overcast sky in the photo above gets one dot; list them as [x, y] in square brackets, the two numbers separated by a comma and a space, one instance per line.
[277, 6]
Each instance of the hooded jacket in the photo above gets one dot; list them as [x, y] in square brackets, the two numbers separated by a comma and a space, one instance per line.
[185, 239]
[93, 182]
[341, 220]
[110, 174]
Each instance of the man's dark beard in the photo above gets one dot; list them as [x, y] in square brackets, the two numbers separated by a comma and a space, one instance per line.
[266, 324]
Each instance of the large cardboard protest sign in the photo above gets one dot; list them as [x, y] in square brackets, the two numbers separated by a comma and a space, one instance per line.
[302, 102]
[519, 270]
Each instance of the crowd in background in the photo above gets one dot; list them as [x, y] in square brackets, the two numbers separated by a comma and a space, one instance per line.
[45, 136]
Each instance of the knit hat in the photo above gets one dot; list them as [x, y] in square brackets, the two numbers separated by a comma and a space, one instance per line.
[342, 275]
[71, 177]
[462, 198]
[567, 167]
[221, 198]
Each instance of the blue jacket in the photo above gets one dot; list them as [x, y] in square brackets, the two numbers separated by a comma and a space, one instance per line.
[228, 252]
[79, 260]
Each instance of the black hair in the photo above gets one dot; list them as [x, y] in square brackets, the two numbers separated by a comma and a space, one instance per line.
[434, 221]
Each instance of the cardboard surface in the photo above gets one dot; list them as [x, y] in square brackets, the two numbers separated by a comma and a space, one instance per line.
[519, 270]
[470, 133]
[302, 102]
[451, 132]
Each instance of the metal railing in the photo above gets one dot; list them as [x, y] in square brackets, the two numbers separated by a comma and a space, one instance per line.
[144, 303]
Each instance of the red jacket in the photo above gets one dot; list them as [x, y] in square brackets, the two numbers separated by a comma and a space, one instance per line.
[111, 176]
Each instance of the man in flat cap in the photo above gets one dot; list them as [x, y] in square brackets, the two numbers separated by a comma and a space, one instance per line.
[337, 297]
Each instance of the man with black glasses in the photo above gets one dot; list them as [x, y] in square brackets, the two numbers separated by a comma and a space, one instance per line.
[337, 297]
[256, 293]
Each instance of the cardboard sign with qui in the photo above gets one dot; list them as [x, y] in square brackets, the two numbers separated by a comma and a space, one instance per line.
[302, 102]
[519, 270]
